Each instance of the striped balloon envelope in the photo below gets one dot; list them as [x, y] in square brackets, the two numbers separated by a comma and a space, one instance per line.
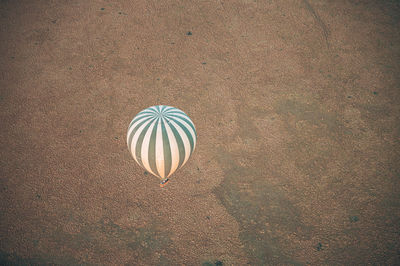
[161, 139]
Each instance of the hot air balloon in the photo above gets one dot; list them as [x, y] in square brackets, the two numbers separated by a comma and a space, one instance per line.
[161, 139]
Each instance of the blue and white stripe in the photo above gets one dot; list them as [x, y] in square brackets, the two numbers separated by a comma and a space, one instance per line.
[161, 139]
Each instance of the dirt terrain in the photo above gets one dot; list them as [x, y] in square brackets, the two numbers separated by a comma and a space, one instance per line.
[296, 106]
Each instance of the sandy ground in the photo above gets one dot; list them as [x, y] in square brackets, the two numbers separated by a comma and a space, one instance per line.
[296, 105]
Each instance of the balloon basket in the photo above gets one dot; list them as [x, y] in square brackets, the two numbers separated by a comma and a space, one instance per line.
[164, 182]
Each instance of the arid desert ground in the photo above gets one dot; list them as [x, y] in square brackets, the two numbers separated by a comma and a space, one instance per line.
[297, 109]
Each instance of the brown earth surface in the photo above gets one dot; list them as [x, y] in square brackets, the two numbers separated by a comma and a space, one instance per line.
[296, 106]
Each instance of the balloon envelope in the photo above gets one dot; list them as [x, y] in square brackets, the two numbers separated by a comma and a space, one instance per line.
[161, 139]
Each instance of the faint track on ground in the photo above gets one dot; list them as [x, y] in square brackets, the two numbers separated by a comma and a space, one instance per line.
[319, 21]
